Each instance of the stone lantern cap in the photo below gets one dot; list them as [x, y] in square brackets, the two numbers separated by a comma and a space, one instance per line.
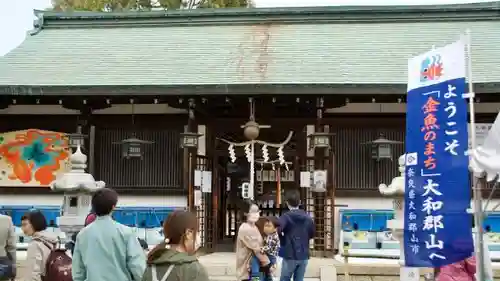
[77, 180]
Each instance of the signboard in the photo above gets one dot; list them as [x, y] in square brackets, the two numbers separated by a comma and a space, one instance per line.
[32, 157]
[438, 230]
[319, 180]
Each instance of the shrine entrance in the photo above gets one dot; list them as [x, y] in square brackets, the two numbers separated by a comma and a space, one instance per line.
[270, 187]
[267, 151]
[272, 178]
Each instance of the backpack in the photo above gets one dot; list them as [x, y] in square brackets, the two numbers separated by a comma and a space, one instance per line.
[58, 266]
[154, 274]
[6, 269]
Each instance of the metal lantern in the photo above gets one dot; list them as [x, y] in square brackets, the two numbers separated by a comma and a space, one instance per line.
[247, 191]
[133, 147]
[189, 139]
[319, 140]
[76, 140]
[382, 148]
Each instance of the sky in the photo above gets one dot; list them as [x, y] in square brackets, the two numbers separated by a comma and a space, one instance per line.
[16, 17]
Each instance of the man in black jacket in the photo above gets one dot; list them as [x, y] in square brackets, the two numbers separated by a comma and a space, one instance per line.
[296, 228]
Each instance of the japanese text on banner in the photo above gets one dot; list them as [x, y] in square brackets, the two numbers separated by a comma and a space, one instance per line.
[437, 228]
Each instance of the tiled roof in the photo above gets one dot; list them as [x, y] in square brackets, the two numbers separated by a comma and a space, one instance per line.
[277, 46]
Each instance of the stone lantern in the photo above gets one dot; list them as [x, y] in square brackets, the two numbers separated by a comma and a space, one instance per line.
[396, 190]
[77, 186]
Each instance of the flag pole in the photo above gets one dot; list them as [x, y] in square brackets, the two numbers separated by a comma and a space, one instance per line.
[478, 205]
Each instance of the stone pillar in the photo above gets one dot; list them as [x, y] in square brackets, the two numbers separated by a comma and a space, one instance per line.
[396, 190]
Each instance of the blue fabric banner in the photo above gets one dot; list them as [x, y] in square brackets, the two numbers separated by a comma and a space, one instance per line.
[438, 230]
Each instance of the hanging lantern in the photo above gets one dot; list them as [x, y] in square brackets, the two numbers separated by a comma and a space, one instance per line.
[190, 139]
[319, 140]
[246, 191]
[382, 148]
[133, 147]
[76, 140]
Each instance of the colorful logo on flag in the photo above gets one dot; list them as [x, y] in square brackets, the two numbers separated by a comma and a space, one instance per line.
[431, 68]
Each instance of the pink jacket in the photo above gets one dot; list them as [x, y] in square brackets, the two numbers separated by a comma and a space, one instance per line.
[459, 271]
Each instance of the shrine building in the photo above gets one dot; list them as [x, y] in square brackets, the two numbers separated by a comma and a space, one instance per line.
[151, 97]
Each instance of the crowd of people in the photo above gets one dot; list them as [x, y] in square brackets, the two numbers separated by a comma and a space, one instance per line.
[106, 250]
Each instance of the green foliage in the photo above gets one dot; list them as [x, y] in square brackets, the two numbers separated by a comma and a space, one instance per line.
[144, 5]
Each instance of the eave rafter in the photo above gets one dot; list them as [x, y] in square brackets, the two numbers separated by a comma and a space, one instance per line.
[338, 14]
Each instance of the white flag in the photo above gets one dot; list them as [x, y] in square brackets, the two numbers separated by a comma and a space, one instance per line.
[436, 66]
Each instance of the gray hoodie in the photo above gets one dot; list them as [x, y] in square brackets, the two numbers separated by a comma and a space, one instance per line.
[37, 255]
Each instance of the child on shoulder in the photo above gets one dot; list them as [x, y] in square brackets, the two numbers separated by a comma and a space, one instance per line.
[268, 227]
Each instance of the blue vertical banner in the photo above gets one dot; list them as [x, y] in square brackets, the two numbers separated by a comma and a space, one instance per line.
[438, 229]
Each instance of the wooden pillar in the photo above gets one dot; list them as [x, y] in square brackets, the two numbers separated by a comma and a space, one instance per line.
[189, 158]
[319, 197]
[213, 210]
[84, 127]
[299, 162]
[330, 208]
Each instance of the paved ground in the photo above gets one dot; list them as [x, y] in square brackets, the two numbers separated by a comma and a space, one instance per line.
[220, 267]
